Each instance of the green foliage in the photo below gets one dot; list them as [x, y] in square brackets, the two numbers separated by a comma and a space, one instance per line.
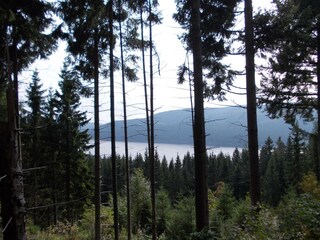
[54, 151]
[225, 202]
[141, 206]
[310, 185]
[86, 224]
[288, 37]
[181, 220]
[299, 217]
[163, 206]
[28, 31]
[203, 235]
[217, 19]
[248, 223]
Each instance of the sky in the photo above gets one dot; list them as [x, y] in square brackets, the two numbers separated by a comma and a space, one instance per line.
[168, 95]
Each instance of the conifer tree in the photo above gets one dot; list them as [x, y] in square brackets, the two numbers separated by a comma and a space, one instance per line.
[251, 106]
[24, 38]
[236, 173]
[32, 141]
[209, 21]
[294, 164]
[265, 156]
[73, 143]
[273, 184]
[288, 37]
[88, 42]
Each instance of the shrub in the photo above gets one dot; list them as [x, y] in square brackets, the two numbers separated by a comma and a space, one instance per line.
[181, 220]
[299, 217]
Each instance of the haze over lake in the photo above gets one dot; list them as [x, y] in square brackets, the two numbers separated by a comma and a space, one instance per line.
[169, 150]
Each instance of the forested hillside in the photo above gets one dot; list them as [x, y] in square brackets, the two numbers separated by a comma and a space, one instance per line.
[52, 187]
[225, 127]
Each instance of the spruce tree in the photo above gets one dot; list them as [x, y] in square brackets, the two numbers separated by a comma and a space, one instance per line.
[88, 42]
[25, 36]
[236, 173]
[288, 36]
[251, 105]
[73, 143]
[273, 185]
[32, 141]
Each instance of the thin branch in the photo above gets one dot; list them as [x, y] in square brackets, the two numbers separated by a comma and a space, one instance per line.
[57, 204]
[5, 228]
[31, 169]
[3, 177]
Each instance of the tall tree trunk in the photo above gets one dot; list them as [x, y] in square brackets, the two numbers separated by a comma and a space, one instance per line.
[201, 181]
[97, 192]
[35, 157]
[190, 94]
[251, 107]
[145, 79]
[113, 128]
[151, 153]
[68, 170]
[54, 189]
[127, 170]
[14, 223]
[5, 185]
[317, 159]
[12, 194]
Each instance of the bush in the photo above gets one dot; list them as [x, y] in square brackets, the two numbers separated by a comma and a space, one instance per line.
[87, 223]
[181, 220]
[249, 223]
[299, 217]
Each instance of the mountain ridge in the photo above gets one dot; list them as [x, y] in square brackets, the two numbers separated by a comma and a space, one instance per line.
[225, 127]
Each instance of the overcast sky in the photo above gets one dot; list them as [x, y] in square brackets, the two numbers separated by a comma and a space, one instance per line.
[168, 94]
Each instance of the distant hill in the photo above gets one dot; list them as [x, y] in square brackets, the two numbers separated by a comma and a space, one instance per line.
[225, 127]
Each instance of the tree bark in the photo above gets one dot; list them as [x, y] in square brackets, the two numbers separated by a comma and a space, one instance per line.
[113, 128]
[12, 194]
[145, 80]
[125, 129]
[151, 153]
[201, 181]
[97, 192]
[317, 159]
[5, 185]
[251, 107]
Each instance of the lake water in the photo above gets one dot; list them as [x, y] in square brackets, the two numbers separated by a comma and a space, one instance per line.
[169, 150]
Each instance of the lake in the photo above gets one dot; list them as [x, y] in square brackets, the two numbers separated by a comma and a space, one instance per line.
[169, 150]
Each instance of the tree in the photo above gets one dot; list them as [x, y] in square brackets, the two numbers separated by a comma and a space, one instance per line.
[141, 207]
[127, 170]
[33, 149]
[271, 184]
[217, 20]
[273, 181]
[23, 39]
[288, 36]
[236, 174]
[88, 41]
[163, 211]
[51, 145]
[201, 181]
[152, 149]
[245, 173]
[12, 194]
[113, 125]
[73, 142]
[209, 21]
[265, 156]
[153, 18]
[294, 166]
[251, 106]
